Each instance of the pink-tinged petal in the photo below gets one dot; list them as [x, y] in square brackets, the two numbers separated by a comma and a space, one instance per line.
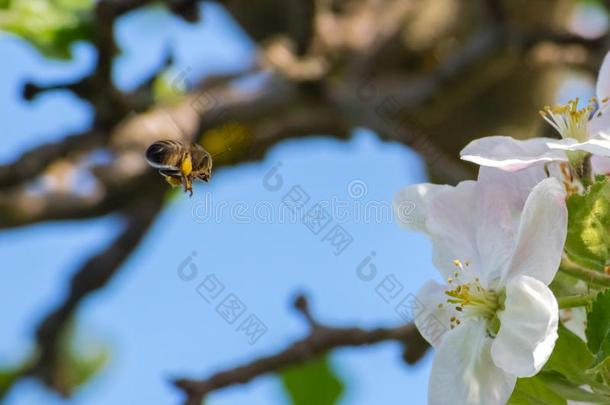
[603, 136]
[445, 214]
[501, 197]
[510, 154]
[432, 320]
[600, 165]
[474, 222]
[541, 234]
[596, 146]
[463, 371]
[600, 122]
[602, 88]
[528, 327]
[516, 187]
[411, 204]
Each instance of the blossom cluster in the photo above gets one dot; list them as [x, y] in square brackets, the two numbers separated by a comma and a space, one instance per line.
[524, 252]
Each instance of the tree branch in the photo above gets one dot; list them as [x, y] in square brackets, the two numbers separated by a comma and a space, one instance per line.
[320, 340]
[34, 161]
[93, 275]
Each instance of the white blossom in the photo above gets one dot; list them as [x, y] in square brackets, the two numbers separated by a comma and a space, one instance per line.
[585, 129]
[498, 243]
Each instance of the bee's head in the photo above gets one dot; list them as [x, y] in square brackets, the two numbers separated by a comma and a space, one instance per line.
[201, 158]
[156, 153]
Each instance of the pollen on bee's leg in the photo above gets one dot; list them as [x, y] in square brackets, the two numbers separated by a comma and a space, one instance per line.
[172, 181]
[186, 167]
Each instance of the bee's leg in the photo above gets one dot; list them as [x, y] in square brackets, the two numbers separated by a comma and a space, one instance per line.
[186, 167]
[174, 182]
[188, 185]
[172, 177]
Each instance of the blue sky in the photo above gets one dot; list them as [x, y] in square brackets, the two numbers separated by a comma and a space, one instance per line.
[156, 324]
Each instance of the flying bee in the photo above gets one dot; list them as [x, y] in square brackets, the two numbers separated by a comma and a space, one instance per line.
[180, 163]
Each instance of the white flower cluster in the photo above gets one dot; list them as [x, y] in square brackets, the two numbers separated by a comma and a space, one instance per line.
[498, 242]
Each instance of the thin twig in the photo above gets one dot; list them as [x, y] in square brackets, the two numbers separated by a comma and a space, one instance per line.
[320, 340]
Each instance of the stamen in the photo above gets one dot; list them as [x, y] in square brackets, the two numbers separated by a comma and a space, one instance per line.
[568, 120]
[474, 300]
[471, 299]
[601, 109]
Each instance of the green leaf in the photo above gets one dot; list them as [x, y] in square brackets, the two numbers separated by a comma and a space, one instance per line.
[598, 327]
[7, 378]
[168, 89]
[312, 383]
[561, 386]
[51, 26]
[77, 361]
[570, 357]
[534, 391]
[588, 240]
[79, 369]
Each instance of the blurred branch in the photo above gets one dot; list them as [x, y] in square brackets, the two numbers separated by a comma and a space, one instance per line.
[320, 340]
[271, 114]
[21, 207]
[566, 38]
[87, 88]
[110, 104]
[93, 275]
[184, 8]
[443, 166]
[34, 161]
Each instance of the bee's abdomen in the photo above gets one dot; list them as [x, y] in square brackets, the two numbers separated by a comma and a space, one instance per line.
[164, 153]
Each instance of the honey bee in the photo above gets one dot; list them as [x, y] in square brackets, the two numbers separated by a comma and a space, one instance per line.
[180, 163]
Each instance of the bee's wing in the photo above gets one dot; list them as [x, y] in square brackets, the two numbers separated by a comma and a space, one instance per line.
[162, 167]
[173, 172]
[157, 152]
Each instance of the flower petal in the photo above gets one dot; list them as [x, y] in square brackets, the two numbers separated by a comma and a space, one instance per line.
[432, 320]
[602, 88]
[410, 204]
[528, 329]
[463, 371]
[510, 154]
[501, 197]
[575, 320]
[542, 233]
[475, 222]
[515, 187]
[600, 122]
[432, 209]
[600, 165]
[597, 146]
